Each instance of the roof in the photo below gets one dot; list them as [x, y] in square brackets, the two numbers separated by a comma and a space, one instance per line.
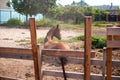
[107, 7]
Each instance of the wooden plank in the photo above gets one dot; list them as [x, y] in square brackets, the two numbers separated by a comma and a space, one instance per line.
[75, 75]
[96, 62]
[15, 50]
[116, 37]
[40, 62]
[17, 56]
[87, 49]
[109, 60]
[16, 53]
[113, 30]
[34, 48]
[73, 60]
[8, 78]
[65, 53]
[113, 43]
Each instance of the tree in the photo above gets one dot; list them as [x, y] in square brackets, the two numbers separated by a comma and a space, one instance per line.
[32, 7]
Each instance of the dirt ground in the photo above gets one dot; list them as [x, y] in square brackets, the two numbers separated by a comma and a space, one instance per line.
[24, 69]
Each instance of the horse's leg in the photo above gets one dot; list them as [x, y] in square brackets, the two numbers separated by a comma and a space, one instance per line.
[63, 62]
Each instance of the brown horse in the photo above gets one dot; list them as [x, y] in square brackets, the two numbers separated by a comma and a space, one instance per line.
[49, 43]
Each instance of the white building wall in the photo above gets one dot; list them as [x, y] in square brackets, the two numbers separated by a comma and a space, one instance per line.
[3, 4]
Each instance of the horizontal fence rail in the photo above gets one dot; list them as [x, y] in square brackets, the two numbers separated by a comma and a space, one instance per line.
[8, 78]
[16, 53]
[113, 43]
[96, 62]
[15, 50]
[76, 75]
[74, 59]
[113, 30]
[20, 53]
[65, 53]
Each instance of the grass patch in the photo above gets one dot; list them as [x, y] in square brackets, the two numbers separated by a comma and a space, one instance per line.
[98, 24]
[41, 39]
[22, 40]
[97, 41]
[73, 26]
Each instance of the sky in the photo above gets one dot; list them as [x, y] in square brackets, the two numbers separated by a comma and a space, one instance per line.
[91, 2]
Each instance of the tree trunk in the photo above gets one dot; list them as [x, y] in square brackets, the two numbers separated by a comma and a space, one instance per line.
[27, 22]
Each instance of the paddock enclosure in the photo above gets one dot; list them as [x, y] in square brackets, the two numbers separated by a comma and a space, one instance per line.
[85, 56]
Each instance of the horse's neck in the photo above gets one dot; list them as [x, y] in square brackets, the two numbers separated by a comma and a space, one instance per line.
[48, 37]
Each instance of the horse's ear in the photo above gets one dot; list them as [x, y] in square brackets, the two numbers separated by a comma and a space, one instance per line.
[57, 25]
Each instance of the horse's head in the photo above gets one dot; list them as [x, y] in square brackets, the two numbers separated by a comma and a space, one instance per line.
[57, 32]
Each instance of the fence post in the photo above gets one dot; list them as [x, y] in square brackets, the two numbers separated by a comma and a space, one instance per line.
[104, 63]
[88, 23]
[107, 17]
[34, 48]
[109, 59]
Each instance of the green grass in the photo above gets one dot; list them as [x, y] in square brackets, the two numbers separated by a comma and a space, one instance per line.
[98, 24]
[22, 40]
[41, 39]
[73, 26]
[95, 24]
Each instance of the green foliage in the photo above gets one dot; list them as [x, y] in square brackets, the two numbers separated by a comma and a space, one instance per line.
[72, 26]
[46, 23]
[13, 22]
[22, 40]
[32, 7]
[99, 24]
[40, 40]
[97, 41]
[75, 13]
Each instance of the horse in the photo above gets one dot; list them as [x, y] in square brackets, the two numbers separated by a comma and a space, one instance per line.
[49, 43]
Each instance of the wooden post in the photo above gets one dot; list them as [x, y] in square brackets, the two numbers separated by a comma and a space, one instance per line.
[88, 21]
[104, 63]
[109, 60]
[107, 17]
[34, 48]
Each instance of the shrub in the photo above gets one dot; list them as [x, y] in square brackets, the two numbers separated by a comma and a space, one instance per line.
[46, 22]
[14, 22]
[97, 41]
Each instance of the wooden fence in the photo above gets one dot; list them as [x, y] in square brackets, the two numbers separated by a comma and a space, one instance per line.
[73, 56]
[113, 41]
